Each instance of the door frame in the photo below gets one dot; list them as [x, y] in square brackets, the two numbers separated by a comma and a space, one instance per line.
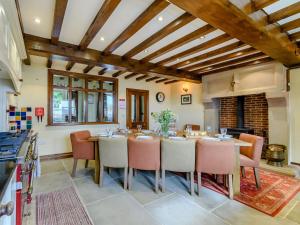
[128, 108]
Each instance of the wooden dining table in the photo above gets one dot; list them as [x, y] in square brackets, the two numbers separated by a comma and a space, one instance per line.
[236, 174]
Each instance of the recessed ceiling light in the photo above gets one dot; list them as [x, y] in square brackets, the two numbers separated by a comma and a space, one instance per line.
[145, 50]
[202, 37]
[37, 20]
[239, 53]
[101, 38]
[160, 18]
[177, 59]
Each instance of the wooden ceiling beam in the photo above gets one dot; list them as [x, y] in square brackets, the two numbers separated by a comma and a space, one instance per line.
[119, 73]
[171, 81]
[290, 25]
[251, 63]
[170, 28]
[240, 60]
[69, 52]
[49, 62]
[142, 77]
[131, 75]
[256, 5]
[151, 79]
[181, 41]
[102, 71]
[295, 36]
[88, 68]
[59, 14]
[211, 43]
[212, 53]
[239, 25]
[154, 9]
[219, 59]
[102, 16]
[70, 65]
[284, 13]
[161, 80]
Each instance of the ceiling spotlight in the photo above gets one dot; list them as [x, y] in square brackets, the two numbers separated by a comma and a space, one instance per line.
[202, 37]
[37, 20]
[239, 53]
[101, 38]
[145, 50]
[177, 59]
[160, 18]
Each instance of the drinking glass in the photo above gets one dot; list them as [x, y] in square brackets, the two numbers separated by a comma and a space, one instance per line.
[139, 127]
[208, 130]
[223, 131]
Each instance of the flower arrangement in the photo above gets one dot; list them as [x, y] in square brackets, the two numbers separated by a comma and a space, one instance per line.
[164, 118]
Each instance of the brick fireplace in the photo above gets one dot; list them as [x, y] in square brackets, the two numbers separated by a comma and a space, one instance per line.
[254, 113]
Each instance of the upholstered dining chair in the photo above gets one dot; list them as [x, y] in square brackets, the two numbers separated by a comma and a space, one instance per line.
[215, 157]
[81, 148]
[179, 156]
[113, 154]
[144, 154]
[250, 156]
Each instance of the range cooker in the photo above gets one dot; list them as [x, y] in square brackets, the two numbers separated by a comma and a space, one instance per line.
[18, 159]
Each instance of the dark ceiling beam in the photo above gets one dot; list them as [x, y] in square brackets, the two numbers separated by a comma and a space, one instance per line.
[161, 80]
[151, 79]
[212, 53]
[131, 75]
[154, 9]
[226, 57]
[181, 41]
[88, 68]
[102, 16]
[70, 65]
[119, 73]
[239, 25]
[291, 25]
[170, 28]
[240, 60]
[69, 52]
[102, 71]
[284, 13]
[142, 77]
[251, 63]
[171, 82]
[49, 62]
[59, 14]
[211, 43]
[255, 5]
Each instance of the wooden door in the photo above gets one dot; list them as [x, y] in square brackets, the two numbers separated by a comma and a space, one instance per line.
[137, 108]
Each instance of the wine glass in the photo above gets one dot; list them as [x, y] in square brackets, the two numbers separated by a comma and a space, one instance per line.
[139, 127]
[208, 130]
[223, 132]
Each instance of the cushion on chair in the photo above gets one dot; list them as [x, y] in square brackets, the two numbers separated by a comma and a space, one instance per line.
[246, 161]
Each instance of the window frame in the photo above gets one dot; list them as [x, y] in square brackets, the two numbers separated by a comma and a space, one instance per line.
[70, 75]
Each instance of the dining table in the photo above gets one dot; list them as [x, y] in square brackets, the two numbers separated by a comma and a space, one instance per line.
[237, 144]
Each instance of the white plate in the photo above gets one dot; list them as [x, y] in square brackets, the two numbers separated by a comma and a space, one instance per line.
[177, 138]
[227, 136]
[102, 135]
[147, 131]
[144, 137]
[117, 136]
[207, 138]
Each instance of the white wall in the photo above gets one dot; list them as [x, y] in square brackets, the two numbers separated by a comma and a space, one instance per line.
[294, 115]
[5, 87]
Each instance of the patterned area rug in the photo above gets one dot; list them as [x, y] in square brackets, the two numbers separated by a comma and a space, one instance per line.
[61, 207]
[275, 192]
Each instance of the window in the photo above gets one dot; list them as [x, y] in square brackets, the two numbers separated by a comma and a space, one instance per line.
[81, 99]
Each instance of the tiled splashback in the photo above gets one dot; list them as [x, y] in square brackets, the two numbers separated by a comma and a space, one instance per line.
[20, 119]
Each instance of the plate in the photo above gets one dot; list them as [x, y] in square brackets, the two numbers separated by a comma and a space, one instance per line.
[177, 138]
[143, 137]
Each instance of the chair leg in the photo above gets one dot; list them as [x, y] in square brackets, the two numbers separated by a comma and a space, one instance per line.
[109, 170]
[256, 174]
[163, 180]
[130, 179]
[230, 181]
[156, 180]
[199, 182]
[187, 176]
[192, 183]
[125, 177]
[74, 168]
[101, 175]
[243, 171]
[86, 163]
[134, 172]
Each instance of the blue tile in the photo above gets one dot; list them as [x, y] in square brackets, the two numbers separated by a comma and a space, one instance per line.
[23, 113]
[11, 113]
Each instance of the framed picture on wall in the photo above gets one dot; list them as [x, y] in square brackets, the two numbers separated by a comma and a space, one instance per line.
[186, 99]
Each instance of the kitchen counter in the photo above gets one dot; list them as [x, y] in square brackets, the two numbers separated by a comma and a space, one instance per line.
[7, 169]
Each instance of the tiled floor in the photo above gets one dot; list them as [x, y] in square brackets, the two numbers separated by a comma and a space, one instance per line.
[112, 205]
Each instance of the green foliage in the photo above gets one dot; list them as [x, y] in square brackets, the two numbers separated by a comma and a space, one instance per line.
[164, 118]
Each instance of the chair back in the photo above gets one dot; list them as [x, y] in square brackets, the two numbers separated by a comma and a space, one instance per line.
[193, 126]
[81, 147]
[113, 152]
[178, 155]
[79, 136]
[253, 152]
[215, 157]
[144, 153]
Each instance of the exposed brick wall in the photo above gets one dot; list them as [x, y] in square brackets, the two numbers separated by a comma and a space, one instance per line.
[227, 112]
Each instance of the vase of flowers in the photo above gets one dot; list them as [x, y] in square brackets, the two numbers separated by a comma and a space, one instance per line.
[164, 118]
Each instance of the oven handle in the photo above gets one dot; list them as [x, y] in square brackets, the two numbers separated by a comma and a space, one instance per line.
[7, 209]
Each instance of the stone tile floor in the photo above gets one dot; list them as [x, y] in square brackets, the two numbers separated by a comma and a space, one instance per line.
[112, 205]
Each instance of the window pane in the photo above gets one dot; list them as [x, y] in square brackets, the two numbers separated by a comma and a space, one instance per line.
[133, 108]
[77, 82]
[94, 84]
[142, 105]
[78, 112]
[60, 106]
[60, 81]
[108, 85]
[93, 106]
[108, 106]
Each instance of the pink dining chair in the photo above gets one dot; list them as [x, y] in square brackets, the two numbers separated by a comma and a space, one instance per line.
[250, 156]
[144, 154]
[81, 148]
[215, 158]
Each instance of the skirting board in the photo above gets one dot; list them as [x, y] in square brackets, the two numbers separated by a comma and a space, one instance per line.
[56, 156]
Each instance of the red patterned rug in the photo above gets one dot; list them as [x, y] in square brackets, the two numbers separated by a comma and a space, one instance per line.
[275, 192]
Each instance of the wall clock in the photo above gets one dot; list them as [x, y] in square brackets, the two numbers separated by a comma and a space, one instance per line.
[160, 96]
